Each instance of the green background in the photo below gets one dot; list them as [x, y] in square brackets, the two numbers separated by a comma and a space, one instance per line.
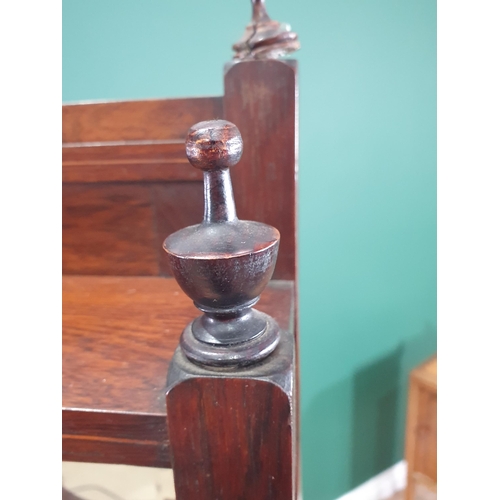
[367, 190]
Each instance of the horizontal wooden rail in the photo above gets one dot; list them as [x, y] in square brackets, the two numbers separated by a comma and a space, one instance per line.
[155, 119]
[127, 161]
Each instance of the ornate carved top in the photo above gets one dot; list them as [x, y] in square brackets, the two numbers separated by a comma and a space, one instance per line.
[265, 38]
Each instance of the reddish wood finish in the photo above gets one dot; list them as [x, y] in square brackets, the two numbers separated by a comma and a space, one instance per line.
[171, 202]
[118, 228]
[261, 100]
[126, 187]
[146, 120]
[108, 229]
[129, 161]
[119, 334]
[115, 228]
[231, 439]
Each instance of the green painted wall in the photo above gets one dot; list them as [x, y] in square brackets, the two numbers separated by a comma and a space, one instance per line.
[367, 190]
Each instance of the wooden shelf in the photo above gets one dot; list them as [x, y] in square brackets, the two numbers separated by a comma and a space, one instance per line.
[119, 334]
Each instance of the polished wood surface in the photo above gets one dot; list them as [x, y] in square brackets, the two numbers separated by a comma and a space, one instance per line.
[126, 187]
[129, 153]
[119, 334]
[119, 228]
[261, 100]
[145, 120]
[421, 430]
[232, 439]
[125, 162]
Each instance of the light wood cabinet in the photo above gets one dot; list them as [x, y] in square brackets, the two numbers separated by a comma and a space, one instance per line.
[421, 432]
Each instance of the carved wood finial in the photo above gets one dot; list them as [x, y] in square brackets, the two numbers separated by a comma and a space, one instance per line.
[223, 264]
[265, 38]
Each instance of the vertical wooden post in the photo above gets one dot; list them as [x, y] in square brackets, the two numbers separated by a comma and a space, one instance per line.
[260, 98]
[233, 431]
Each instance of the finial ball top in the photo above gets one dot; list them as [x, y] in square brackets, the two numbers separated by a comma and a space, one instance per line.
[214, 145]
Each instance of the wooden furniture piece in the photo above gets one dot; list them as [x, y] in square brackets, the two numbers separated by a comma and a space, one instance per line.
[127, 185]
[421, 432]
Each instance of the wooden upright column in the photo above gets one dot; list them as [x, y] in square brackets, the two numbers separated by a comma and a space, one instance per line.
[260, 98]
[233, 431]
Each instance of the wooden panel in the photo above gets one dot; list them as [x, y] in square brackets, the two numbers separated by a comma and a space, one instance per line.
[119, 334]
[130, 161]
[156, 119]
[421, 431]
[118, 229]
[109, 229]
[178, 205]
[231, 438]
[261, 99]
[426, 440]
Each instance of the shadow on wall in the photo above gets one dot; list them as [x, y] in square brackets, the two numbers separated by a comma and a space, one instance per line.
[365, 414]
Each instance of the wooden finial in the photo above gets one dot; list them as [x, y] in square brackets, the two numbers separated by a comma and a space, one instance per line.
[265, 38]
[214, 144]
[223, 264]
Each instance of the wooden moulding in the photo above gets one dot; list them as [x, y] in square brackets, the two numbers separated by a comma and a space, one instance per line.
[127, 162]
[233, 434]
[145, 120]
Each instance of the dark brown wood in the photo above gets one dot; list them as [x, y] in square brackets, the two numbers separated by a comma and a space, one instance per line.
[232, 434]
[108, 230]
[126, 187]
[146, 120]
[118, 228]
[128, 161]
[232, 439]
[177, 205]
[113, 227]
[261, 100]
[223, 263]
[119, 335]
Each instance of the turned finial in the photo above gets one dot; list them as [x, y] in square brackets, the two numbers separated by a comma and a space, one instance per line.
[223, 264]
[264, 38]
[213, 145]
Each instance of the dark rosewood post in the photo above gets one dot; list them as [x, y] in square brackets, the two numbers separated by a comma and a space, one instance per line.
[230, 386]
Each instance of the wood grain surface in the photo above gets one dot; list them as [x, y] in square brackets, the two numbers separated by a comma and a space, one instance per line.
[108, 229]
[232, 441]
[119, 334]
[421, 429]
[119, 228]
[154, 119]
[261, 100]
[127, 161]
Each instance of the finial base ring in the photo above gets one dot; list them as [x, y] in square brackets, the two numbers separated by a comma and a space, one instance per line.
[232, 355]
